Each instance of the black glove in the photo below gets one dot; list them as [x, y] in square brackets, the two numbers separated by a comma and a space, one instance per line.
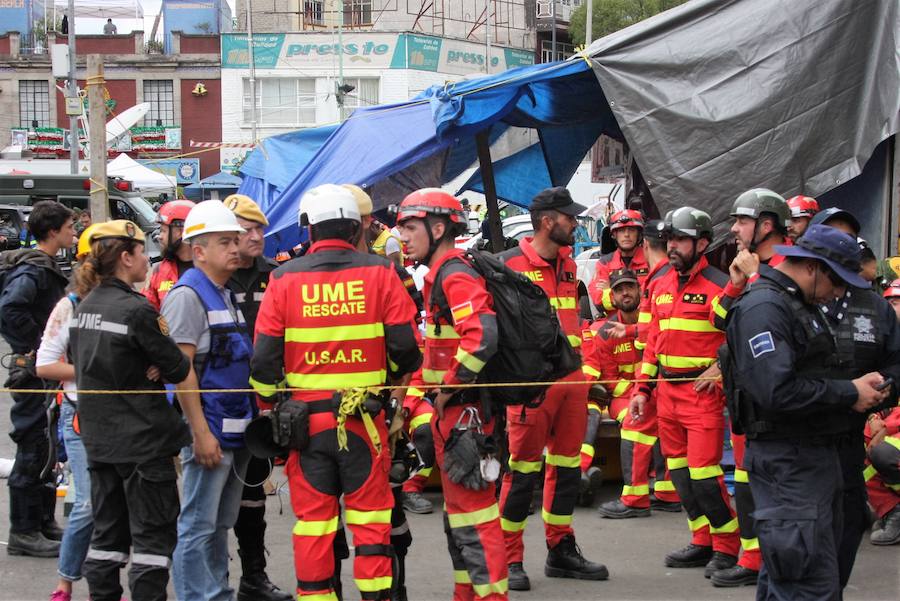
[21, 371]
[462, 459]
[599, 394]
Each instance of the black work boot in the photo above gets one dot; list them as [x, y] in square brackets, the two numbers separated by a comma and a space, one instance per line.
[52, 531]
[617, 510]
[33, 544]
[691, 556]
[590, 484]
[667, 506]
[255, 584]
[719, 561]
[735, 576]
[517, 578]
[566, 561]
[414, 502]
[889, 533]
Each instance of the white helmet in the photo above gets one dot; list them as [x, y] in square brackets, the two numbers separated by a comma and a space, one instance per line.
[327, 202]
[210, 216]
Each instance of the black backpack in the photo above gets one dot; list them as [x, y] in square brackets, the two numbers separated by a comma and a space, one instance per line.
[531, 345]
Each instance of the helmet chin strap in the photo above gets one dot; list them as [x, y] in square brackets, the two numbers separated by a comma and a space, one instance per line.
[754, 243]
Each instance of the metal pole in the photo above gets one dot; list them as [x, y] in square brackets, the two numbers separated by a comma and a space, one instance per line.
[340, 91]
[483, 145]
[589, 23]
[97, 118]
[73, 93]
[487, 38]
[553, 33]
[252, 71]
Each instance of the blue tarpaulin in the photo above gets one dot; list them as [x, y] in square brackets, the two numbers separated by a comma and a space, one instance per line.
[220, 181]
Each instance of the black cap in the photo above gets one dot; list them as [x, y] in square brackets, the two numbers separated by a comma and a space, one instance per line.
[557, 199]
[655, 228]
[826, 215]
[623, 276]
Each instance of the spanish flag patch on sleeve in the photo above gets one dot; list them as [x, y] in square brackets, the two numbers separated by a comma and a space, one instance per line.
[462, 311]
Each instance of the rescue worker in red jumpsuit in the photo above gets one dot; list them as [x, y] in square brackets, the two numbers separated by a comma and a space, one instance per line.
[546, 259]
[762, 220]
[176, 254]
[803, 209]
[617, 360]
[456, 350]
[626, 228]
[882, 475]
[682, 343]
[332, 319]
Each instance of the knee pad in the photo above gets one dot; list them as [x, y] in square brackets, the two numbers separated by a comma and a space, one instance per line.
[681, 478]
[593, 424]
[745, 508]
[885, 459]
[709, 497]
[518, 501]
[423, 439]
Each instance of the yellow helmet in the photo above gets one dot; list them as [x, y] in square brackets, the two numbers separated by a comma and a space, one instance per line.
[84, 242]
[363, 200]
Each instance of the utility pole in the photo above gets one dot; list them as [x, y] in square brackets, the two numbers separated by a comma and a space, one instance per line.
[487, 38]
[553, 33]
[97, 120]
[252, 72]
[73, 93]
[589, 23]
[339, 96]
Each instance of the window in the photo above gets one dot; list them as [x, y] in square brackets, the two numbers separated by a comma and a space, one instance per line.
[365, 94]
[161, 96]
[282, 101]
[314, 12]
[357, 12]
[563, 51]
[34, 103]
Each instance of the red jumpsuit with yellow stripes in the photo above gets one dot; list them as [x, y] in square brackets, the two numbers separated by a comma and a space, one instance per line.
[599, 290]
[681, 343]
[617, 359]
[549, 425]
[332, 319]
[883, 483]
[455, 352]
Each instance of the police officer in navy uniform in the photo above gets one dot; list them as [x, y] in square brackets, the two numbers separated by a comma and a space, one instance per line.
[790, 405]
[867, 339]
[130, 438]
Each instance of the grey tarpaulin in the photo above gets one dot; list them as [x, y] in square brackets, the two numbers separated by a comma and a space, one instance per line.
[718, 96]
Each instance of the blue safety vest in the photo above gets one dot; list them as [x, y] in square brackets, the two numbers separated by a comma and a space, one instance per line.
[225, 365]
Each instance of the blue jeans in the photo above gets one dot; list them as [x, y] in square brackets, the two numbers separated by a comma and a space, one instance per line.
[210, 502]
[77, 536]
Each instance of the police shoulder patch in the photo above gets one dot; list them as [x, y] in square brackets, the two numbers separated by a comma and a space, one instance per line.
[761, 344]
[163, 325]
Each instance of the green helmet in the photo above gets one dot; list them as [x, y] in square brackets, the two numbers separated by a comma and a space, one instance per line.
[690, 222]
[757, 201]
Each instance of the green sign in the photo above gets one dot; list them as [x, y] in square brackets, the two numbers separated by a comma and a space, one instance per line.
[418, 52]
[266, 50]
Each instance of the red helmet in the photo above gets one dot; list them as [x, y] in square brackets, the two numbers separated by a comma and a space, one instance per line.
[433, 201]
[893, 291]
[803, 206]
[626, 218]
[174, 210]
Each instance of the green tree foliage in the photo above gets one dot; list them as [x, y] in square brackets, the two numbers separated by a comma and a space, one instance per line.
[613, 15]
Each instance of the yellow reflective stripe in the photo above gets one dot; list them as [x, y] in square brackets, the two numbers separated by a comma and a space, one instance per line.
[869, 473]
[644, 317]
[575, 341]
[379, 516]
[592, 406]
[525, 467]
[622, 415]
[392, 365]
[556, 520]
[332, 596]
[420, 420]
[718, 308]
[425, 472]
[684, 362]
[749, 544]
[461, 577]
[372, 585]
[697, 524]
[893, 486]
[316, 528]
[893, 441]
[702, 473]
[621, 387]
[336, 381]
[587, 449]
[433, 376]
[638, 437]
[471, 362]
[686, 325]
[511, 526]
[590, 371]
[563, 460]
[664, 486]
[636, 491]
[628, 368]
[263, 390]
[729, 527]
[649, 370]
[498, 588]
[415, 392]
[607, 299]
[741, 476]
[675, 463]
[447, 332]
[362, 331]
[640, 345]
[563, 302]
[473, 518]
